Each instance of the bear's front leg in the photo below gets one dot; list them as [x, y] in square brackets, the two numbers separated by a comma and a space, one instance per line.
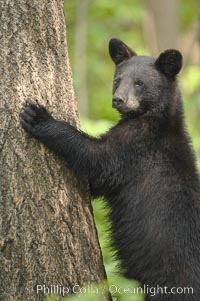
[87, 156]
[57, 135]
[84, 154]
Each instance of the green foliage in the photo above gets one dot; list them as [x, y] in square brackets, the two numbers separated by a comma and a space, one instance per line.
[190, 11]
[190, 84]
[95, 128]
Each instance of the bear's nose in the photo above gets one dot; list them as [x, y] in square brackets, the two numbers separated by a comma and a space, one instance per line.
[117, 101]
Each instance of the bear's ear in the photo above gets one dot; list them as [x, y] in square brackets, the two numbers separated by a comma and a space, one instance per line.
[169, 62]
[119, 51]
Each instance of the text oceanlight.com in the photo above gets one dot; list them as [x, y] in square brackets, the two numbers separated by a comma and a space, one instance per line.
[113, 289]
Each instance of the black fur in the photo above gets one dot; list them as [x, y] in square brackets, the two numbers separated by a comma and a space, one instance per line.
[119, 51]
[170, 63]
[144, 167]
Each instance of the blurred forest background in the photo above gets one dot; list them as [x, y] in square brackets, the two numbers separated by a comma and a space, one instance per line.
[149, 27]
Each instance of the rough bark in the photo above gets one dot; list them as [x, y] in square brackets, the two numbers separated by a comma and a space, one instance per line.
[47, 233]
[80, 56]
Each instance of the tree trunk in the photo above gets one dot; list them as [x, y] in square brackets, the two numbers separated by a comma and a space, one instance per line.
[162, 24]
[47, 232]
[80, 56]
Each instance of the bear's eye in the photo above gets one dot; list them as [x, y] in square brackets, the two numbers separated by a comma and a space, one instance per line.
[139, 83]
[117, 82]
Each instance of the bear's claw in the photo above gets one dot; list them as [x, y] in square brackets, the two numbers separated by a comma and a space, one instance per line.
[33, 116]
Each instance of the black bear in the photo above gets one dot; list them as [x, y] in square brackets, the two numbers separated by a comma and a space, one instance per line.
[144, 167]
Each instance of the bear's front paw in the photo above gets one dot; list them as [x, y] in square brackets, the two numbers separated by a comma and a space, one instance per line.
[33, 117]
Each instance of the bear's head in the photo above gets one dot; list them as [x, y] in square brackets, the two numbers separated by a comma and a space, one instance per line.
[143, 84]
